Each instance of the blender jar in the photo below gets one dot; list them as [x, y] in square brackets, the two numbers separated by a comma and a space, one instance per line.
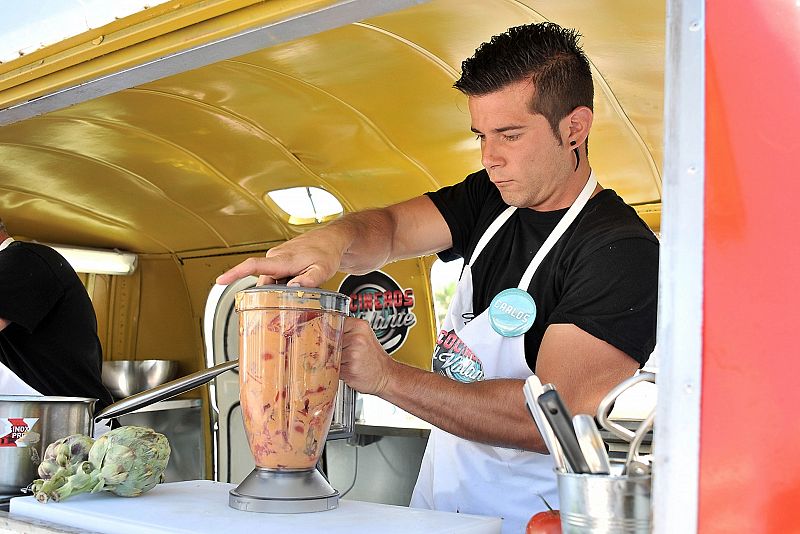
[290, 342]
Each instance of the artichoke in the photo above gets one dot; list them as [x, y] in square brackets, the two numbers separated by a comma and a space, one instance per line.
[127, 461]
[65, 453]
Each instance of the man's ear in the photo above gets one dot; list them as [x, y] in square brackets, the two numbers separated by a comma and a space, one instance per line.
[575, 126]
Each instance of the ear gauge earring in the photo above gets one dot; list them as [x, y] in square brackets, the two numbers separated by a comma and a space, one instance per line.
[577, 155]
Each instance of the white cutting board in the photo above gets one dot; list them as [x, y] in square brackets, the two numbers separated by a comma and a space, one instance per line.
[200, 506]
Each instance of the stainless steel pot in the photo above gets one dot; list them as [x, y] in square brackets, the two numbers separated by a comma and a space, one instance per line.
[28, 424]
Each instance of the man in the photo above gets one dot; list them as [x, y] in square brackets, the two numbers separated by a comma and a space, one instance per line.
[48, 328]
[560, 278]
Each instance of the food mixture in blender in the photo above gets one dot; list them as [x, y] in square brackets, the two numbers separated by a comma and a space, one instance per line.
[289, 376]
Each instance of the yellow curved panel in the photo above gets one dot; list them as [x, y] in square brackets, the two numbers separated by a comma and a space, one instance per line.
[365, 111]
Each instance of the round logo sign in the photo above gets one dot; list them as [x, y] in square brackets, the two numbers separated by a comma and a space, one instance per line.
[512, 312]
[378, 299]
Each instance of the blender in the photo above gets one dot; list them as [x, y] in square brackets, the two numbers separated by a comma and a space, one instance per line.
[290, 342]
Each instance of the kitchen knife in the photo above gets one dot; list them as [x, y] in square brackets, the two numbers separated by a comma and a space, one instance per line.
[561, 422]
[532, 389]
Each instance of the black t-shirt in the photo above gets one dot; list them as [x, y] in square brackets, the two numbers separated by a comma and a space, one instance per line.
[602, 275]
[51, 342]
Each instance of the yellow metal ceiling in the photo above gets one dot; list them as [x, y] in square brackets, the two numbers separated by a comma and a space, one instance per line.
[366, 111]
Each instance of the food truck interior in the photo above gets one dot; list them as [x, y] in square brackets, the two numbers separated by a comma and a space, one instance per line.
[174, 139]
[192, 135]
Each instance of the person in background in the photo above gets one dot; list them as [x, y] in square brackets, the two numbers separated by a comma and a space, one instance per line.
[560, 279]
[48, 327]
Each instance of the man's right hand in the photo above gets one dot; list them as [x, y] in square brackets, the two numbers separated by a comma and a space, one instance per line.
[308, 260]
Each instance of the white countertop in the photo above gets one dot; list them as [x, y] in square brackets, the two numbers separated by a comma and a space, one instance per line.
[201, 506]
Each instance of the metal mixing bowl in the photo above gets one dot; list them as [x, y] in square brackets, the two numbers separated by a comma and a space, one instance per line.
[124, 378]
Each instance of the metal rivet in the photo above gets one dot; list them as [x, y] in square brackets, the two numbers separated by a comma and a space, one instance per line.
[694, 26]
[691, 170]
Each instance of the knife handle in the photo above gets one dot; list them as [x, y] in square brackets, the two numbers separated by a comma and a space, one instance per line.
[561, 422]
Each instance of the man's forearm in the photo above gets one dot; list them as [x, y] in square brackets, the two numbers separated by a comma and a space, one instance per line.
[355, 243]
[490, 411]
[366, 240]
[371, 239]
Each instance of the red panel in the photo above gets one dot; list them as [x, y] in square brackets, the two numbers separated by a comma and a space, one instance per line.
[750, 424]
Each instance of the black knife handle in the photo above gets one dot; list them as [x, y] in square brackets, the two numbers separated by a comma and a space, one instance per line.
[561, 422]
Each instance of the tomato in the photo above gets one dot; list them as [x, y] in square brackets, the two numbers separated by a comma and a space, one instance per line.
[547, 522]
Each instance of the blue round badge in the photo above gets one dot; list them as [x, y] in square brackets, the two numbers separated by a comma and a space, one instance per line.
[512, 312]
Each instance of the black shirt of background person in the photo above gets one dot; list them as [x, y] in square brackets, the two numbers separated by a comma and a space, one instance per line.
[51, 342]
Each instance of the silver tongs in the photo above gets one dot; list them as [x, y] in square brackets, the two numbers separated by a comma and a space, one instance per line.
[635, 464]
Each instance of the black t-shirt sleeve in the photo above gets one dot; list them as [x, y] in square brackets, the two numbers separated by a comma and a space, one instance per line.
[28, 289]
[609, 294]
[461, 206]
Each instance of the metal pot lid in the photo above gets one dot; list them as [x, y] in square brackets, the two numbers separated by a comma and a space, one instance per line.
[44, 398]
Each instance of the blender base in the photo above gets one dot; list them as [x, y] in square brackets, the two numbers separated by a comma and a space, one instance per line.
[284, 492]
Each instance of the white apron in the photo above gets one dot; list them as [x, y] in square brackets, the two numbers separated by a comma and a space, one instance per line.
[458, 475]
[11, 384]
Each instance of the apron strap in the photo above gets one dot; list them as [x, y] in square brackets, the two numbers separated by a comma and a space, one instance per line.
[558, 231]
[489, 233]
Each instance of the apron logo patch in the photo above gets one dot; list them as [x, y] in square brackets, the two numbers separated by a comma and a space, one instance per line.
[14, 431]
[378, 299]
[454, 359]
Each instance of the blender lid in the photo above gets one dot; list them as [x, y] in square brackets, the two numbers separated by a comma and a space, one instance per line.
[285, 297]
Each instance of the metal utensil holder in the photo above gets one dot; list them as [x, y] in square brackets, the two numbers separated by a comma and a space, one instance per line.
[604, 504]
[618, 503]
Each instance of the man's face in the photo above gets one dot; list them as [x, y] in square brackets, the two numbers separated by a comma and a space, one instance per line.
[519, 151]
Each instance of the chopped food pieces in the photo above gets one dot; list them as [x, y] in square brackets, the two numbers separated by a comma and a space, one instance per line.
[289, 378]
